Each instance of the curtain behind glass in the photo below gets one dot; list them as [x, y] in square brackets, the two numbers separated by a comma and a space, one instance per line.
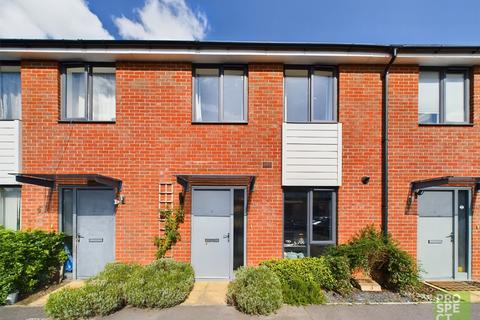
[455, 97]
[296, 95]
[429, 97]
[11, 98]
[322, 87]
[233, 95]
[207, 95]
[76, 81]
[103, 94]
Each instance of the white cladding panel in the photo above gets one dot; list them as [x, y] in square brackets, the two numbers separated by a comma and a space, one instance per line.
[10, 152]
[312, 154]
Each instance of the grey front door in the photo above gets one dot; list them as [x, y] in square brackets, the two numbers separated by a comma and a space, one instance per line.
[212, 212]
[443, 229]
[95, 230]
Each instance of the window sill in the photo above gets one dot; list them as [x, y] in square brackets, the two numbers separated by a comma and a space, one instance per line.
[219, 123]
[445, 124]
[312, 122]
[86, 121]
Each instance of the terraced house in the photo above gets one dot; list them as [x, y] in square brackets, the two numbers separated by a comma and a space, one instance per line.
[273, 149]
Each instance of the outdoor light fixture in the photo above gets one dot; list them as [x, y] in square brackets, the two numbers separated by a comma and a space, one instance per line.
[365, 179]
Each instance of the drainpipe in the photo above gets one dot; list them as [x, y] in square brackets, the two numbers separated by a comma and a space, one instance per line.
[385, 141]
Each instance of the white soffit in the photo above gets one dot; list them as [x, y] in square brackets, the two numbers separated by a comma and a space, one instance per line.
[195, 56]
[438, 59]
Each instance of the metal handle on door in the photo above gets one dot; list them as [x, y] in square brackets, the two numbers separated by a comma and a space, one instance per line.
[451, 236]
[227, 236]
[79, 236]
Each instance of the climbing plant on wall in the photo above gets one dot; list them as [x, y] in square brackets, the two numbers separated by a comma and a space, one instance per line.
[172, 218]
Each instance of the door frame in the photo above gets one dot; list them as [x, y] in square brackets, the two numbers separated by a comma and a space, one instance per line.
[465, 276]
[74, 219]
[231, 229]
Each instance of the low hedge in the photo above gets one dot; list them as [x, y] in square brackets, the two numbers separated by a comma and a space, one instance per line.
[379, 256]
[303, 279]
[164, 283]
[102, 294]
[28, 260]
[255, 290]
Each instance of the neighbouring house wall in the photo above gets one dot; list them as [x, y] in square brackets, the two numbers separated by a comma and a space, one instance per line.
[423, 152]
[152, 140]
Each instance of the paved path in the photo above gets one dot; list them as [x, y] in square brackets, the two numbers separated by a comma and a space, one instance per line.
[208, 293]
[329, 312]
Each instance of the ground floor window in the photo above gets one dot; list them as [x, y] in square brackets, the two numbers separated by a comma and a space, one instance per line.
[10, 207]
[309, 221]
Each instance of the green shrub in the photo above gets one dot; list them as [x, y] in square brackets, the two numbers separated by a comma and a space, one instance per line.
[117, 274]
[340, 270]
[379, 256]
[255, 290]
[28, 260]
[312, 269]
[298, 291]
[164, 283]
[96, 298]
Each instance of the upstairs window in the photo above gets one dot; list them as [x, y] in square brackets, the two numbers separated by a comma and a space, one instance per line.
[443, 96]
[10, 93]
[88, 93]
[220, 94]
[310, 95]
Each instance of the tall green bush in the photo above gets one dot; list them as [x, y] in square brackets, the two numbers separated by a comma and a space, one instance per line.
[255, 290]
[379, 256]
[161, 284]
[28, 260]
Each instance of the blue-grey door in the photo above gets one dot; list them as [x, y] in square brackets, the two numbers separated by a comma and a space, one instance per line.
[95, 230]
[435, 245]
[211, 250]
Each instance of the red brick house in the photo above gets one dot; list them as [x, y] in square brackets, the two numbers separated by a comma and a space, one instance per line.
[274, 150]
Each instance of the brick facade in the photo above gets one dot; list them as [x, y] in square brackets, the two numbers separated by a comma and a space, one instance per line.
[153, 139]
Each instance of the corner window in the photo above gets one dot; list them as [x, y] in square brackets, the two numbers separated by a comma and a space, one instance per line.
[443, 96]
[88, 93]
[10, 207]
[310, 95]
[10, 93]
[220, 94]
[309, 221]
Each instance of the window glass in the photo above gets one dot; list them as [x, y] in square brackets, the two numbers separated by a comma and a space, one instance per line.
[238, 227]
[296, 95]
[322, 87]
[295, 224]
[322, 219]
[233, 95]
[455, 97]
[429, 97]
[10, 93]
[76, 82]
[203, 205]
[10, 208]
[67, 217]
[103, 94]
[207, 95]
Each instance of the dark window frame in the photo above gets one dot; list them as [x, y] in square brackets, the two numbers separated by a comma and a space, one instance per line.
[309, 191]
[88, 66]
[443, 71]
[221, 69]
[311, 70]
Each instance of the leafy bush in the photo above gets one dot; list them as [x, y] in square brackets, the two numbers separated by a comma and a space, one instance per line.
[298, 291]
[164, 283]
[28, 260]
[340, 270]
[96, 298]
[117, 274]
[312, 269]
[379, 256]
[255, 290]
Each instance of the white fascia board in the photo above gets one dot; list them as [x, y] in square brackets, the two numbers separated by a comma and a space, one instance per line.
[438, 59]
[193, 55]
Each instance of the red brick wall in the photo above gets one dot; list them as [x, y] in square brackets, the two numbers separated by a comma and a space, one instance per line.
[423, 152]
[360, 112]
[152, 140]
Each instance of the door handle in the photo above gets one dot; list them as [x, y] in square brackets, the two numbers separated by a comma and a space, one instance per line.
[79, 236]
[451, 236]
[227, 236]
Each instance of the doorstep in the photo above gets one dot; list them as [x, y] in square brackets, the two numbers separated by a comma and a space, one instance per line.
[208, 293]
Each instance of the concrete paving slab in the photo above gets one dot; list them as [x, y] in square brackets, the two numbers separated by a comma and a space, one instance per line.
[41, 301]
[208, 293]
